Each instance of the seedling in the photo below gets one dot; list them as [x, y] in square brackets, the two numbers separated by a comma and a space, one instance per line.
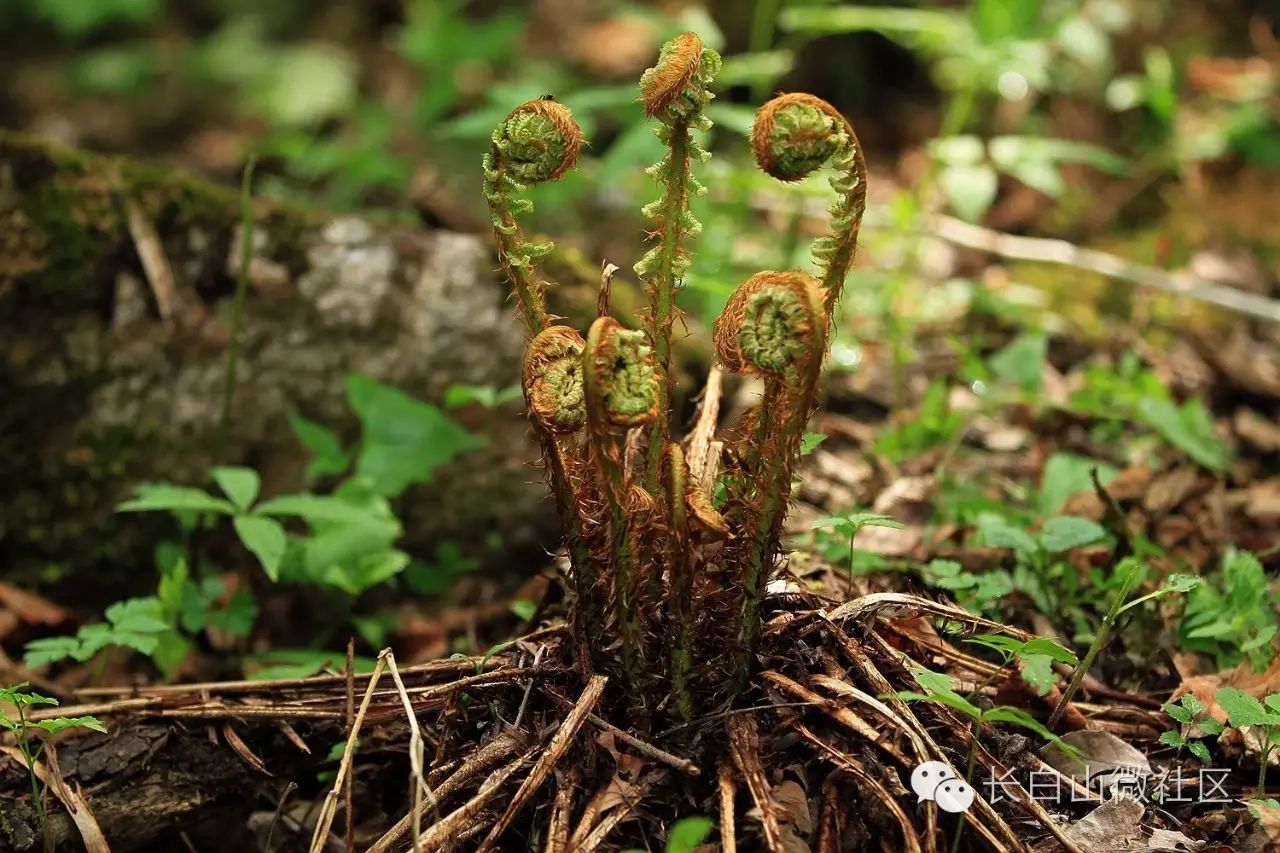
[1232, 615]
[1129, 570]
[1035, 658]
[19, 698]
[1261, 717]
[1191, 713]
[849, 525]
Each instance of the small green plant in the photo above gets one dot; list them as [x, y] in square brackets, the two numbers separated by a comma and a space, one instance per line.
[933, 424]
[1040, 568]
[135, 623]
[1195, 722]
[648, 548]
[1034, 658]
[1232, 615]
[1261, 717]
[1128, 392]
[847, 527]
[1130, 571]
[19, 698]
[343, 540]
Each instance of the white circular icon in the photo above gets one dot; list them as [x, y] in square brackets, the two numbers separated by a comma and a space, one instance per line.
[954, 796]
[928, 776]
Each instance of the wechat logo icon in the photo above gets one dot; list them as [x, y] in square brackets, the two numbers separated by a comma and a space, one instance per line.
[935, 780]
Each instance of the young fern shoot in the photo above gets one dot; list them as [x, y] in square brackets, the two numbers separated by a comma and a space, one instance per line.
[773, 326]
[793, 135]
[667, 584]
[621, 392]
[538, 141]
[675, 92]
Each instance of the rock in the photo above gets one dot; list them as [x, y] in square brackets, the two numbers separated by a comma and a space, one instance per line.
[99, 393]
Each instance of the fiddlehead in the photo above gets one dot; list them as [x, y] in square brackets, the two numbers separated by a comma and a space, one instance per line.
[538, 141]
[675, 92]
[773, 326]
[621, 391]
[551, 378]
[795, 134]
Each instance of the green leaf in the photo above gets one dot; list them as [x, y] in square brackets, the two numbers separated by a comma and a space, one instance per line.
[1182, 583]
[61, 724]
[138, 615]
[404, 440]
[1200, 751]
[995, 532]
[1050, 649]
[168, 498]
[1064, 532]
[1179, 713]
[1066, 475]
[239, 484]
[367, 571]
[809, 442]
[324, 508]
[50, 650]
[488, 396]
[1037, 670]
[300, 663]
[1172, 738]
[850, 524]
[265, 537]
[524, 609]
[1022, 361]
[969, 190]
[687, 833]
[1243, 709]
[327, 454]
[1005, 714]
[1189, 428]
[344, 544]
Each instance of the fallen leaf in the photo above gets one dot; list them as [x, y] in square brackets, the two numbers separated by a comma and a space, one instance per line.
[1262, 433]
[1104, 760]
[1112, 827]
[1170, 489]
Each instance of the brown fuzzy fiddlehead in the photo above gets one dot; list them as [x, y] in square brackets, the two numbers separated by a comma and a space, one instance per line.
[774, 326]
[538, 141]
[551, 378]
[675, 92]
[795, 134]
[620, 389]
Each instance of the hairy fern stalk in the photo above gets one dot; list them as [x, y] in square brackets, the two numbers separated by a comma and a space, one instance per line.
[668, 571]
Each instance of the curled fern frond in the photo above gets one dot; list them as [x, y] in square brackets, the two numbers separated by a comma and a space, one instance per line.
[537, 141]
[621, 391]
[551, 378]
[540, 141]
[620, 387]
[676, 83]
[774, 325]
[793, 135]
[769, 325]
[675, 91]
